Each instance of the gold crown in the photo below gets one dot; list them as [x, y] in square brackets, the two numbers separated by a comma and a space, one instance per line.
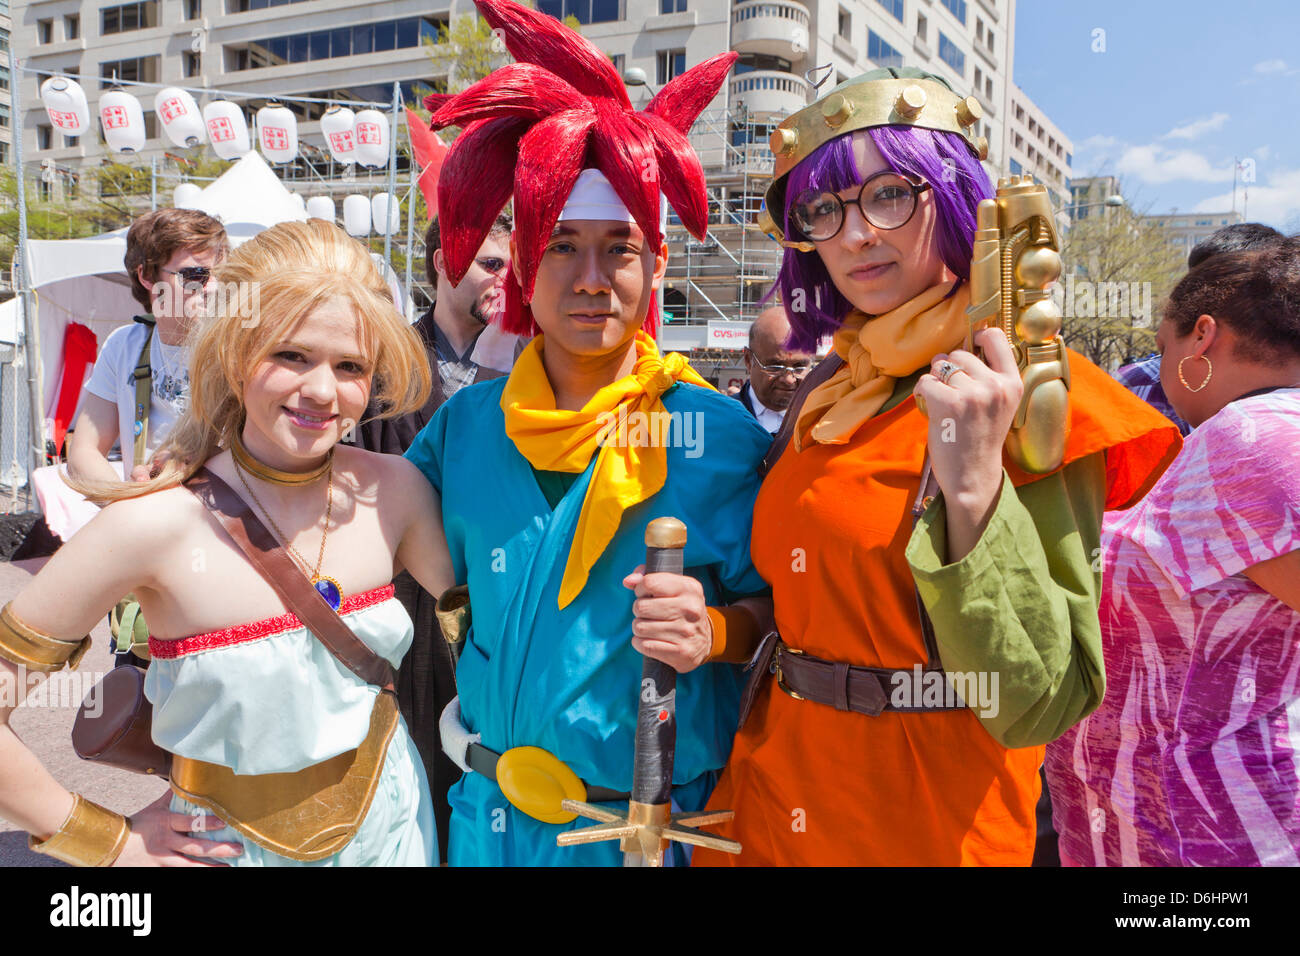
[879, 98]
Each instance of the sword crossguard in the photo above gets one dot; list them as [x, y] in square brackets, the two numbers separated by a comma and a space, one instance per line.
[647, 829]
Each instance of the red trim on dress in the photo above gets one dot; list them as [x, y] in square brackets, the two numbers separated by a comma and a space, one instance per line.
[257, 630]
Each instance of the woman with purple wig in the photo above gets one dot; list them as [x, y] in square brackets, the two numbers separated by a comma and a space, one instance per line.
[936, 605]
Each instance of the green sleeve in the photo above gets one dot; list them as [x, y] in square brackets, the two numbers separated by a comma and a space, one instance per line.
[1023, 603]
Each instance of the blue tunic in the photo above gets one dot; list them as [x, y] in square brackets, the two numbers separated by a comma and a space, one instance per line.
[567, 680]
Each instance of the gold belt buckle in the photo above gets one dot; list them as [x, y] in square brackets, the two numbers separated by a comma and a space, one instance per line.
[538, 782]
[780, 675]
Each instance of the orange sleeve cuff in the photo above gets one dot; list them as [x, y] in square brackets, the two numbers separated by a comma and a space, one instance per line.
[735, 634]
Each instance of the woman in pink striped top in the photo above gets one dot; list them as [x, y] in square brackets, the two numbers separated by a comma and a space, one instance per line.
[1193, 757]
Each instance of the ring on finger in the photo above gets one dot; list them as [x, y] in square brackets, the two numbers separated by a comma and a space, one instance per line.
[946, 371]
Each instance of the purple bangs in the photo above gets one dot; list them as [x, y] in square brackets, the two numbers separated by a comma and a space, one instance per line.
[943, 160]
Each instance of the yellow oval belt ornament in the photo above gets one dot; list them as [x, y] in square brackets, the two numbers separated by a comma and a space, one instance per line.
[536, 782]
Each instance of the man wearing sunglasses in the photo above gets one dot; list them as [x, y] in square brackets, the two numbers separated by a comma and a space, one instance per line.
[169, 258]
[774, 370]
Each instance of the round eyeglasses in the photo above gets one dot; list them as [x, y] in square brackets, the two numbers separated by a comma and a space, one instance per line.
[887, 200]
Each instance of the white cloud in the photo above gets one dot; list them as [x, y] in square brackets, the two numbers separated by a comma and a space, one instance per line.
[1096, 141]
[1156, 164]
[1271, 66]
[1198, 127]
[1274, 204]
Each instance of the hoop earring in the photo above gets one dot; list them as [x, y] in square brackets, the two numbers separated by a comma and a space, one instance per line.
[1209, 371]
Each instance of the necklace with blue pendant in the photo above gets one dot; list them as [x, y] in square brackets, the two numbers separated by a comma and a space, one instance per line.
[329, 589]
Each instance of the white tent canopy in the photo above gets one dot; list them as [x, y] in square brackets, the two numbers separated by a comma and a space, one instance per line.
[84, 280]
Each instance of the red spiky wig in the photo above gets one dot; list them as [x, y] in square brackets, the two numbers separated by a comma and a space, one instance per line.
[531, 127]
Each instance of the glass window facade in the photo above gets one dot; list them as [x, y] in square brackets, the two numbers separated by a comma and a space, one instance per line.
[895, 7]
[951, 54]
[957, 8]
[585, 11]
[129, 16]
[881, 53]
[401, 34]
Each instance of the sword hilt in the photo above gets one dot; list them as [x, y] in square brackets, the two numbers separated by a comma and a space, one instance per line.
[656, 718]
[648, 824]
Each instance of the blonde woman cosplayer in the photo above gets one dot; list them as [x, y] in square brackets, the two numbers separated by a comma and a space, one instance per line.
[282, 368]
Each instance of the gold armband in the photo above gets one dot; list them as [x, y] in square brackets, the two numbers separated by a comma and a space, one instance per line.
[21, 645]
[735, 634]
[452, 611]
[91, 836]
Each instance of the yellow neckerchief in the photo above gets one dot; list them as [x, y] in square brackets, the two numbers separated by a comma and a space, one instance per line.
[556, 439]
[876, 351]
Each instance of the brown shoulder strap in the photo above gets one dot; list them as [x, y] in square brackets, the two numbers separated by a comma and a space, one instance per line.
[824, 370]
[274, 564]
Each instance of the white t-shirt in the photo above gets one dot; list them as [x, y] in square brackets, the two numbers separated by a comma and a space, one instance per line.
[112, 381]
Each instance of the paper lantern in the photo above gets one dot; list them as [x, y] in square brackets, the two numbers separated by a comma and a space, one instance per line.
[186, 196]
[122, 117]
[337, 126]
[179, 116]
[65, 102]
[227, 129]
[277, 133]
[320, 207]
[356, 216]
[372, 139]
[385, 213]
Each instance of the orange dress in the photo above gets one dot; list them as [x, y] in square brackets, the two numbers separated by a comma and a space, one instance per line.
[812, 785]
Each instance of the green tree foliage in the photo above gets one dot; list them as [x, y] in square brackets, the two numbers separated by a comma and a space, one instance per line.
[1119, 269]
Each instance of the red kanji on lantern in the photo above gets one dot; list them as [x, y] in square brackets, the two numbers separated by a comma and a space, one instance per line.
[220, 130]
[114, 117]
[369, 133]
[172, 108]
[342, 142]
[275, 137]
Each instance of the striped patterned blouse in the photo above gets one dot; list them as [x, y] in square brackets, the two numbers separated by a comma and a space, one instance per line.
[1193, 757]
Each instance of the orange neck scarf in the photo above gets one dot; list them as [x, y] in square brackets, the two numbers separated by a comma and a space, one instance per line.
[557, 439]
[876, 351]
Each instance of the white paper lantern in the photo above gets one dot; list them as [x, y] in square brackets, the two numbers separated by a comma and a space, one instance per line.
[277, 133]
[227, 129]
[320, 207]
[372, 139]
[385, 213]
[65, 102]
[179, 116]
[122, 117]
[356, 216]
[337, 126]
[186, 196]
[299, 202]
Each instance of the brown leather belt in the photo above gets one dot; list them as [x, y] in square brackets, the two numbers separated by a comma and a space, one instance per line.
[863, 690]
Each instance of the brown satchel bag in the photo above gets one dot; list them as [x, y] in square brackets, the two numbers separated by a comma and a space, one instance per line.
[120, 733]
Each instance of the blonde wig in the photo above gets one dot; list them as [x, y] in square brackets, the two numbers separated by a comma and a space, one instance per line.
[264, 289]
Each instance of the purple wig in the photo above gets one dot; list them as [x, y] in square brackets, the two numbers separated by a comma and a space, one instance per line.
[941, 159]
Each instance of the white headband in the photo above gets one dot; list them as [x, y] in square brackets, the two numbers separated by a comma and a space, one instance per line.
[594, 198]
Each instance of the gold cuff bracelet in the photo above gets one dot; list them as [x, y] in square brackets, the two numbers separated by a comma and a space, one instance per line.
[33, 650]
[91, 836]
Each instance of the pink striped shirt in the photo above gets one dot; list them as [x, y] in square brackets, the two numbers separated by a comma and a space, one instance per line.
[1192, 757]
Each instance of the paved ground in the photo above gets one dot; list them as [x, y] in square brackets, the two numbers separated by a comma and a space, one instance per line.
[45, 725]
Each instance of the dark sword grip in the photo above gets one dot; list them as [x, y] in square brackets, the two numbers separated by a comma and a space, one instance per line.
[656, 725]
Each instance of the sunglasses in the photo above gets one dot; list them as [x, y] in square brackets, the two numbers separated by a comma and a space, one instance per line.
[188, 274]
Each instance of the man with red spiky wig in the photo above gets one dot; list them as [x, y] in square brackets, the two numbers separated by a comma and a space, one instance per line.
[548, 478]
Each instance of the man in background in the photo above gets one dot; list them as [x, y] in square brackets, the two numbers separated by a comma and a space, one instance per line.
[169, 257]
[463, 349]
[774, 371]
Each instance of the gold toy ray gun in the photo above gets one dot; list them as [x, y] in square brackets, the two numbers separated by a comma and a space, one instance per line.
[1015, 260]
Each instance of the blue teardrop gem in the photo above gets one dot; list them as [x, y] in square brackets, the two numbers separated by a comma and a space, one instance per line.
[330, 592]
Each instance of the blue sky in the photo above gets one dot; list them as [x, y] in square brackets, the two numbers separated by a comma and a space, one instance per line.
[1180, 89]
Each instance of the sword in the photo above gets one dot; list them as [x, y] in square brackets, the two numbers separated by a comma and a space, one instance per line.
[648, 824]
